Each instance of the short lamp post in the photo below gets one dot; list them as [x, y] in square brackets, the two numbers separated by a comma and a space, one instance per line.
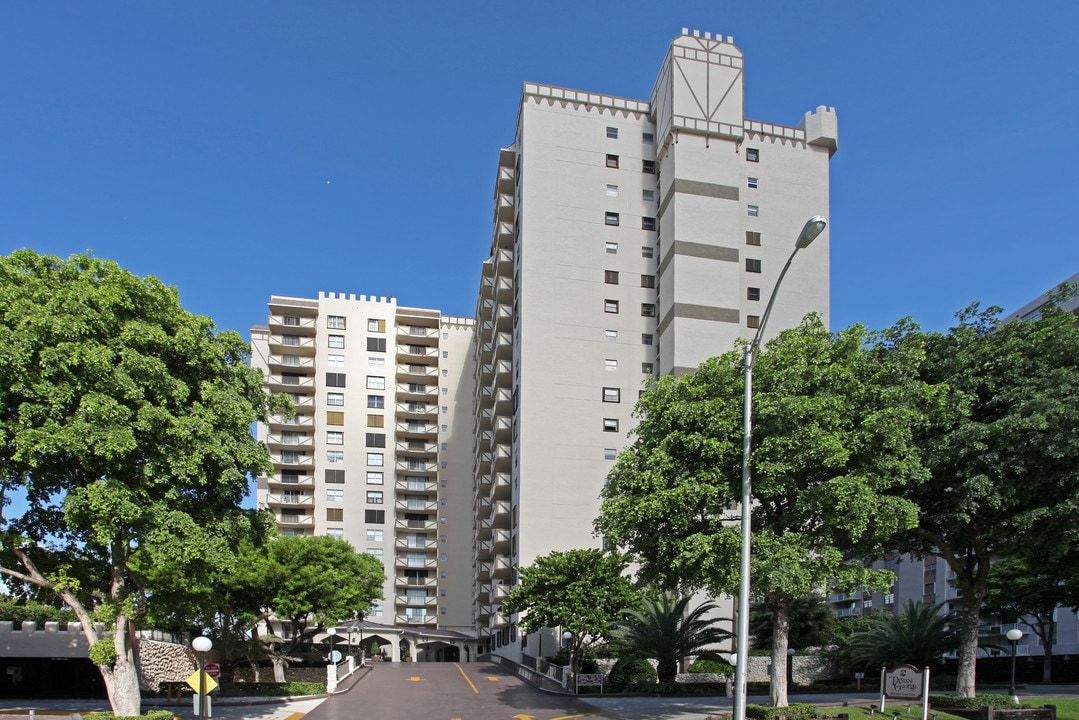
[1014, 635]
[567, 642]
[202, 645]
[813, 227]
[332, 632]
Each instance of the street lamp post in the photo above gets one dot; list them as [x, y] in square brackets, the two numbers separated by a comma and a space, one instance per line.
[813, 227]
[202, 645]
[332, 632]
[1014, 635]
[567, 642]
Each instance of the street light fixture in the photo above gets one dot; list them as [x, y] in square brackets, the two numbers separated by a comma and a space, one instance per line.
[567, 642]
[202, 645]
[332, 632]
[813, 228]
[1014, 635]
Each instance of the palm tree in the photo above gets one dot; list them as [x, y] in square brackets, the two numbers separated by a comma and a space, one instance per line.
[918, 636]
[664, 631]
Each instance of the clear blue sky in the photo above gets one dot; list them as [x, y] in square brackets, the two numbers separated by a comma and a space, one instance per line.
[243, 149]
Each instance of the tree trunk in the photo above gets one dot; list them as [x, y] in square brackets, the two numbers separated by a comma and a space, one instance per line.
[255, 671]
[1045, 632]
[122, 678]
[781, 625]
[667, 671]
[278, 670]
[969, 616]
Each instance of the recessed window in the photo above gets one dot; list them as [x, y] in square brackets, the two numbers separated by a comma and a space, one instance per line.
[376, 421]
[753, 238]
[753, 265]
[648, 166]
[610, 218]
[335, 495]
[335, 379]
[610, 335]
[648, 281]
[610, 277]
[646, 338]
[376, 325]
[648, 223]
[753, 155]
[612, 191]
[752, 182]
[753, 321]
[376, 344]
[375, 401]
[376, 440]
[375, 459]
[610, 364]
[646, 368]
[610, 306]
[335, 418]
[335, 398]
[612, 161]
[648, 138]
[335, 438]
[335, 322]
[648, 195]
[376, 382]
[647, 251]
[753, 211]
[374, 497]
[336, 341]
[611, 247]
[753, 293]
[374, 517]
[335, 360]
[335, 514]
[610, 454]
[375, 477]
[335, 456]
[610, 424]
[335, 476]
[375, 536]
[612, 395]
[376, 363]
[648, 309]
[612, 132]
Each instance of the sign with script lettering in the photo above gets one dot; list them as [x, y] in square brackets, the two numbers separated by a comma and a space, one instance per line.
[903, 682]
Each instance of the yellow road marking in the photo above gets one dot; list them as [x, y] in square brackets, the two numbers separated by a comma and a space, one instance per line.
[492, 678]
[295, 716]
[474, 688]
[570, 717]
[415, 678]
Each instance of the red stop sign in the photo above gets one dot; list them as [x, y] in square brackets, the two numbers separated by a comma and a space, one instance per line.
[213, 670]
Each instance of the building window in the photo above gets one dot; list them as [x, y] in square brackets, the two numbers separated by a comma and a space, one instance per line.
[335, 322]
[648, 166]
[335, 360]
[610, 454]
[335, 456]
[335, 418]
[610, 306]
[375, 536]
[753, 293]
[610, 364]
[648, 281]
[753, 238]
[752, 182]
[336, 477]
[375, 440]
[335, 379]
[376, 363]
[610, 335]
[376, 382]
[374, 517]
[376, 325]
[612, 132]
[375, 459]
[612, 395]
[335, 495]
[647, 251]
[338, 533]
[335, 514]
[648, 138]
[929, 589]
[335, 438]
[648, 309]
[610, 424]
[610, 218]
[376, 421]
[612, 190]
[648, 195]
[753, 211]
[374, 497]
[648, 223]
[646, 368]
[753, 155]
[753, 265]
[376, 344]
[376, 401]
[611, 247]
[375, 477]
[753, 321]
[646, 338]
[612, 161]
[336, 341]
[610, 277]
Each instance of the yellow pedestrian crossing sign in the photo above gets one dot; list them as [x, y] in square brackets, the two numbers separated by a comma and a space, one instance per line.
[193, 682]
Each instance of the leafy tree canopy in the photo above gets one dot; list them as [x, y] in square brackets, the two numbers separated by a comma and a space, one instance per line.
[812, 620]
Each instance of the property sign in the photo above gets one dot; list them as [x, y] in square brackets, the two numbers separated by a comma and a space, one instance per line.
[903, 682]
[590, 679]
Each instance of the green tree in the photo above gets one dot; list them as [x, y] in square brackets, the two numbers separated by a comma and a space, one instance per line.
[833, 429]
[1003, 459]
[1033, 590]
[811, 622]
[313, 581]
[665, 630]
[918, 635]
[125, 422]
[581, 591]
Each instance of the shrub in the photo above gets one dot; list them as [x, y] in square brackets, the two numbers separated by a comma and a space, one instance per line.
[794, 711]
[152, 715]
[561, 659]
[102, 652]
[30, 611]
[951, 701]
[626, 673]
[713, 667]
[285, 689]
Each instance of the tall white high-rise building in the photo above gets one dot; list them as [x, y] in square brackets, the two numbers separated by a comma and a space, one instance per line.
[631, 239]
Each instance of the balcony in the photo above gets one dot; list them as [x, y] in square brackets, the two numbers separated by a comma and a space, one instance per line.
[413, 465]
[502, 567]
[300, 481]
[411, 372]
[281, 323]
[277, 500]
[416, 428]
[292, 344]
[274, 440]
[404, 543]
[287, 382]
[406, 582]
[504, 235]
[504, 207]
[293, 520]
[416, 506]
[422, 392]
[415, 620]
[280, 422]
[427, 601]
[292, 461]
[403, 524]
[284, 362]
[501, 542]
[402, 561]
[416, 411]
[413, 353]
[410, 333]
[428, 486]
